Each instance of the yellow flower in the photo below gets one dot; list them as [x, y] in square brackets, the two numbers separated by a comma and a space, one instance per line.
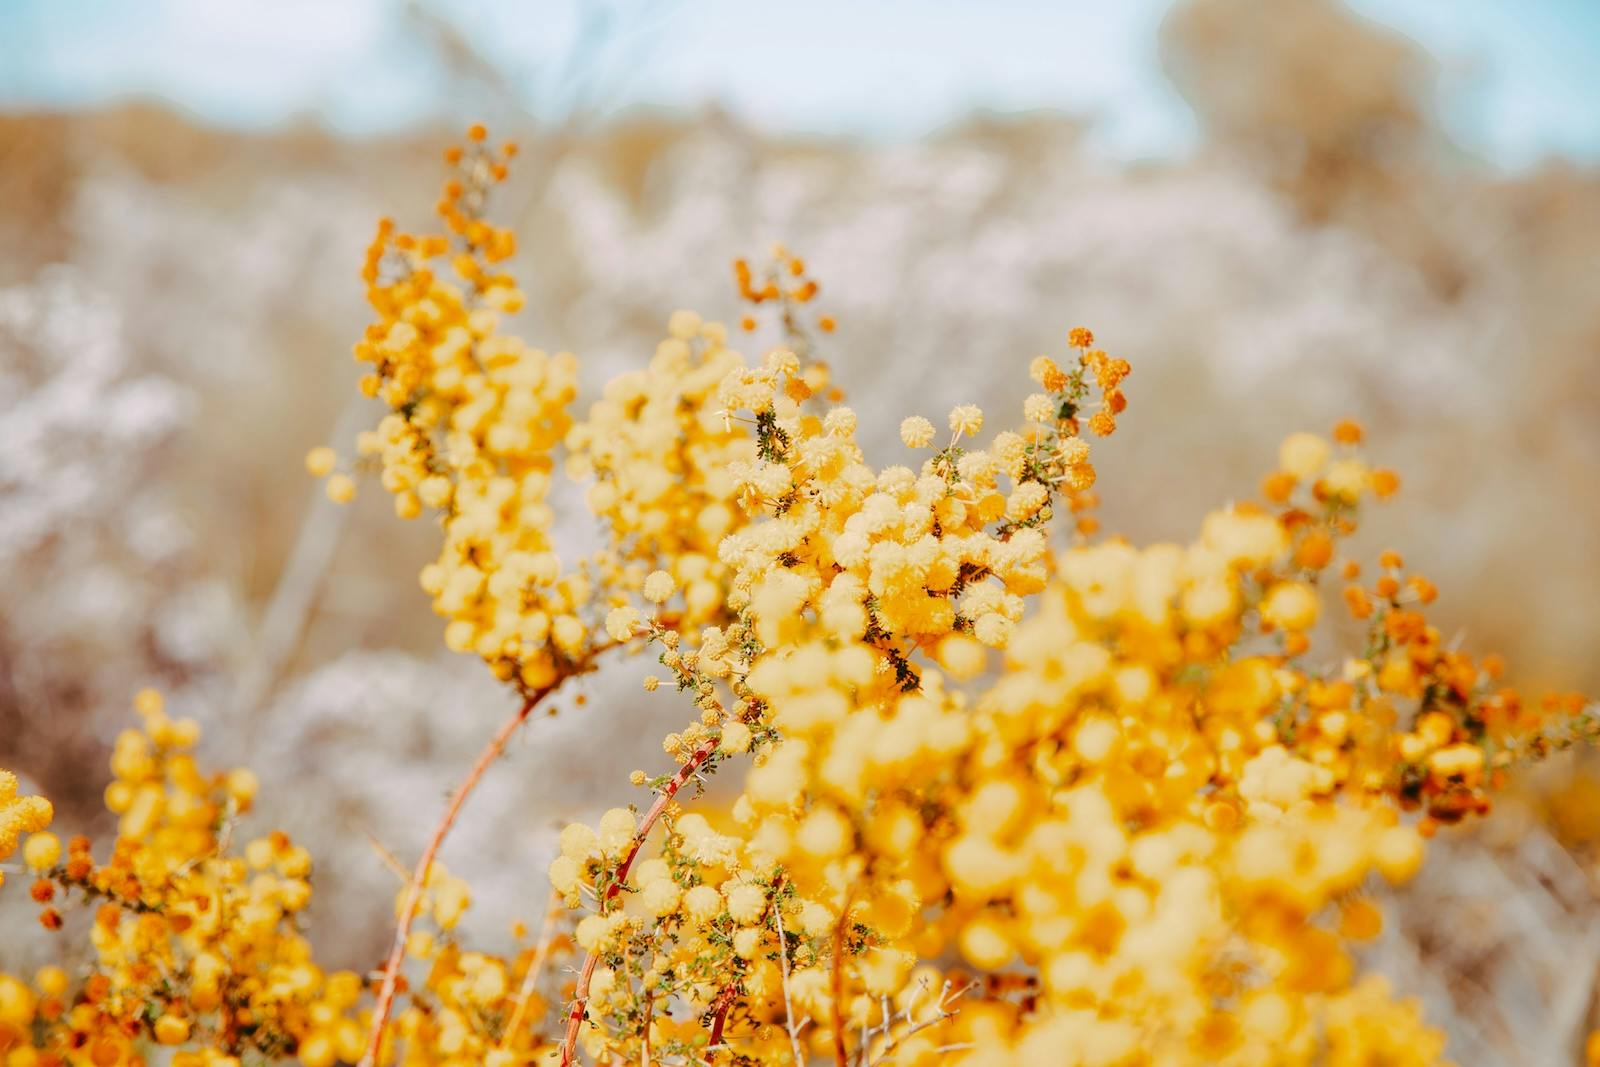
[320, 461]
[340, 489]
[916, 432]
[1303, 455]
[171, 1030]
[735, 738]
[658, 587]
[622, 622]
[1291, 605]
[966, 419]
[42, 851]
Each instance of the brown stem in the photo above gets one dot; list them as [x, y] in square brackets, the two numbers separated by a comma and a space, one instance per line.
[581, 996]
[419, 876]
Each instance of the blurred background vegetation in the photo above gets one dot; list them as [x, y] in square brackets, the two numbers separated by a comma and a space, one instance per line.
[1282, 212]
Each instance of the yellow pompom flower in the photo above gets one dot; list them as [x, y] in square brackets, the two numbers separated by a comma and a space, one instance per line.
[171, 1030]
[42, 851]
[1291, 605]
[621, 623]
[617, 828]
[320, 461]
[966, 419]
[735, 738]
[916, 432]
[340, 489]
[1303, 455]
[658, 587]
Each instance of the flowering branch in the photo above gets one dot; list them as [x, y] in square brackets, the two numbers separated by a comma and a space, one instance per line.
[581, 996]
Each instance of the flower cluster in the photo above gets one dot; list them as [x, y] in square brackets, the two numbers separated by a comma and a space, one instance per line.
[474, 1005]
[21, 815]
[1154, 810]
[1010, 791]
[475, 416]
[660, 462]
[192, 943]
[195, 941]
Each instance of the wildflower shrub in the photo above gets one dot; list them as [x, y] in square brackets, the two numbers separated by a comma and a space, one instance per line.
[1013, 791]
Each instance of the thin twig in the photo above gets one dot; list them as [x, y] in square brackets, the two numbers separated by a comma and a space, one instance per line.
[942, 1011]
[783, 963]
[541, 952]
[299, 585]
[619, 879]
[389, 860]
[840, 1056]
[644, 1039]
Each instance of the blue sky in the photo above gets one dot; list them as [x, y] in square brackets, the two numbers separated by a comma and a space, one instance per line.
[1522, 77]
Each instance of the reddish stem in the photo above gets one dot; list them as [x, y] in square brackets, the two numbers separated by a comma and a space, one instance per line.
[581, 997]
[840, 1056]
[720, 1019]
[419, 877]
